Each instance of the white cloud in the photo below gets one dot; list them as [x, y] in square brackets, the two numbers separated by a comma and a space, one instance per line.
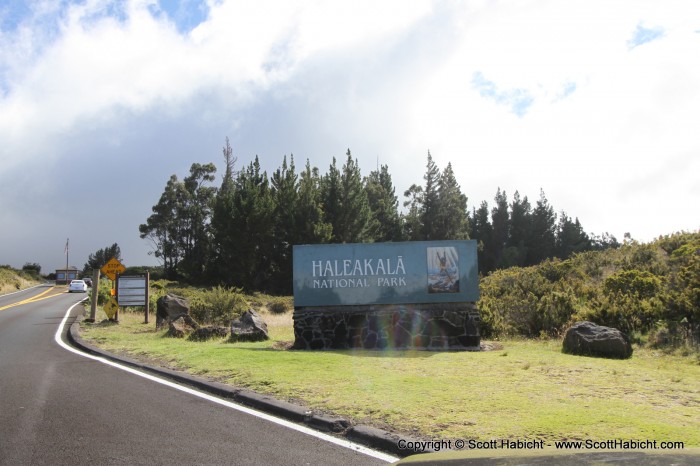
[593, 101]
[601, 116]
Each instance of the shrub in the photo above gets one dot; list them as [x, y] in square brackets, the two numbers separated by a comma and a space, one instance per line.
[641, 284]
[218, 306]
[278, 305]
[629, 288]
[32, 270]
[104, 292]
[530, 301]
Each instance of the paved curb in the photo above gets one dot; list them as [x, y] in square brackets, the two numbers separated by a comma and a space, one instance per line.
[365, 435]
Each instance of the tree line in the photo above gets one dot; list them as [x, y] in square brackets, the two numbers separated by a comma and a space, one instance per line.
[241, 233]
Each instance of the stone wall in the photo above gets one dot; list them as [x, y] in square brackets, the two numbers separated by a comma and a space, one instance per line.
[446, 326]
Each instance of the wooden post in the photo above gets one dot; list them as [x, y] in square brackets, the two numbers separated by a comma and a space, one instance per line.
[116, 296]
[95, 293]
[148, 284]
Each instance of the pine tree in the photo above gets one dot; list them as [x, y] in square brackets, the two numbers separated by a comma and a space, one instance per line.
[570, 238]
[482, 232]
[430, 200]
[284, 187]
[310, 226]
[331, 200]
[355, 215]
[500, 224]
[383, 203]
[543, 234]
[518, 232]
[412, 227]
[223, 222]
[252, 245]
[452, 220]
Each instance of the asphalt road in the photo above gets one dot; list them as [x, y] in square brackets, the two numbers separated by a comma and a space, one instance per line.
[59, 408]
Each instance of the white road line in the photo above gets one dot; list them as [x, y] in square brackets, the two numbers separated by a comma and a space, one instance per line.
[290, 425]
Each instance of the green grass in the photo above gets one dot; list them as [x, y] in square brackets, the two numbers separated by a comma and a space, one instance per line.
[526, 389]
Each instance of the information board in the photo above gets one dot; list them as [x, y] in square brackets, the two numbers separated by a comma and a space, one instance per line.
[131, 290]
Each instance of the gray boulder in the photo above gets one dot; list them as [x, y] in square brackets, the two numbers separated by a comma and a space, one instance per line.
[589, 339]
[207, 333]
[182, 326]
[169, 308]
[250, 327]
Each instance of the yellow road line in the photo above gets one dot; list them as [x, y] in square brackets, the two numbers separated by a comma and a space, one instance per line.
[38, 297]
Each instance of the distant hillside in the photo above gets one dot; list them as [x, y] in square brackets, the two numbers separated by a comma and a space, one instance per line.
[638, 288]
[13, 280]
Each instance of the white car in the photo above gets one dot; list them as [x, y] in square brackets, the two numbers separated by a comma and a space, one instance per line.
[77, 285]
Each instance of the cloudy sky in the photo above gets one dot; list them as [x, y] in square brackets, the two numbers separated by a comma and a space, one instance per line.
[595, 102]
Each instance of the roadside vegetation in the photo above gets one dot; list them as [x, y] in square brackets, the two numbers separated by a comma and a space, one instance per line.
[649, 291]
[518, 389]
[522, 386]
[12, 279]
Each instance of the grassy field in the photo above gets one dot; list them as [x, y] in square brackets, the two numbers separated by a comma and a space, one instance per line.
[519, 389]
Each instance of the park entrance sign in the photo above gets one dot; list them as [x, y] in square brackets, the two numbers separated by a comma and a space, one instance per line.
[385, 273]
[418, 294]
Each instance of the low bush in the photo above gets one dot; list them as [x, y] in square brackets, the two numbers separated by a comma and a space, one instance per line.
[641, 289]
[278, 305]
[218, 306]
[104, 292]
[12, 279]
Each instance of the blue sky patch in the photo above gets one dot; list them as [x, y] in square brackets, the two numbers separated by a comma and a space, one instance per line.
[567, 89]
[11, 14]
[644, 35]
[186, 14]
[519, 100]
[48, 19]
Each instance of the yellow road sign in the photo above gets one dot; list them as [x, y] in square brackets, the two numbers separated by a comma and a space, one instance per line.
[112, 268]
[111, 308]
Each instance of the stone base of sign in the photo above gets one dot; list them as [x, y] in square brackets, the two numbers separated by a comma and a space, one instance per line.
[446, 326]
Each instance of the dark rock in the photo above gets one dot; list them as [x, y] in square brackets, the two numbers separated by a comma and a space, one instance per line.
[589, 339]
[182, 326]
[170, 307]
[250, 327]
[207, 333]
